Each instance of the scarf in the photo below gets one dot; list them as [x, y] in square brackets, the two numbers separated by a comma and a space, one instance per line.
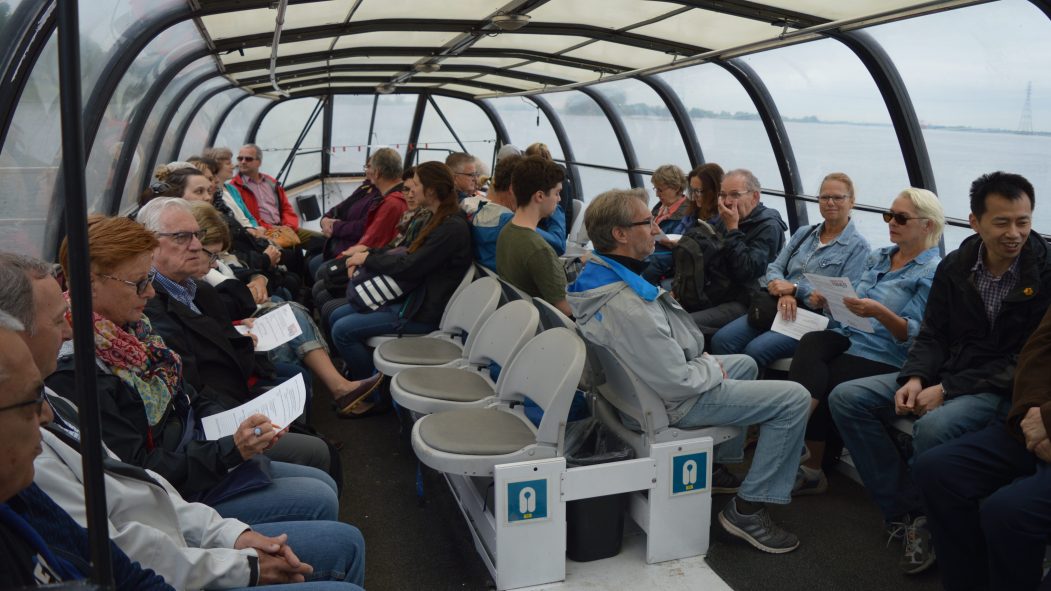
[139, 357]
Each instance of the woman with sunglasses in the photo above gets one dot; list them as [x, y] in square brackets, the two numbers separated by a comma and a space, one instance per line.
[308, 349]
[151, 414]
[892, 294]
[833, 248]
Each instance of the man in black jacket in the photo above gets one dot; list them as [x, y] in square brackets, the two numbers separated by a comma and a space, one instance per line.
[216, 359]
[753, 235]
[987, 298]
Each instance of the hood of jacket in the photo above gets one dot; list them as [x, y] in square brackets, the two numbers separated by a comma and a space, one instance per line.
[601, 279]
[760, 215]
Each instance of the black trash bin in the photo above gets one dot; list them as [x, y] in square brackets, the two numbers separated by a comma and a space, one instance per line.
[595, 526]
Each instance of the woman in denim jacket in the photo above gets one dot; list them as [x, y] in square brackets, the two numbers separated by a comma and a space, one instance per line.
[833, 248]
[892, 294]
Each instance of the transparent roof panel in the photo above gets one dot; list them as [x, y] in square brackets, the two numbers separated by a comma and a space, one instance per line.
[841, 10]
[621, 55]
[507, 81]
[234, 130]
[559, 71]
[461, 9]
[107, 27]
[835, 117]
[545, 43]
[610, 14]
[709, 29]
[395, 39]
[526, 124]
[262, 20]
[652, 130]
[206, 119]
[464, 88]
[169, 151]
[495, 62]
[285, 49]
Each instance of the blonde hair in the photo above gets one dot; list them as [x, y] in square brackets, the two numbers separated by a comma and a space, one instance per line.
[211, 223]
[929, 207]
[670, 176]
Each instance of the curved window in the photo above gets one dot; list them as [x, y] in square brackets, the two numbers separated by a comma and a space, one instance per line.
[30, 157]
[650, 126]
[726, 121]
[473, 131]
[351, 114]
[394, 113]
[170, 46]
[835, 117]
[588, 129]
[169, 151]
[595, 181]
[978, 79]
[205, 120]
[234, 131]
[278, 133]
[527, 124]
[138, 175]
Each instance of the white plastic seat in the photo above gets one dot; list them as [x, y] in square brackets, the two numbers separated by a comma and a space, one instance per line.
[466, 313]
[468, 277]
[577, 240]
[432, 389]
[552, 317]
[472, 441]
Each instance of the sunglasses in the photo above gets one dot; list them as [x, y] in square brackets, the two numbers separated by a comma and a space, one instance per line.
[183, 238]
[246, 158]
[899, 218]
[41, 397]
[140, 286]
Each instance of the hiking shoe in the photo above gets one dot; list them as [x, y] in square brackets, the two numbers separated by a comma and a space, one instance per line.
[809, 482]
[757, 529]
[919, 552]
[724, 482]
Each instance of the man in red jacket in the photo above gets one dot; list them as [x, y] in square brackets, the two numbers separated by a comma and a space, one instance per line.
[266, 198]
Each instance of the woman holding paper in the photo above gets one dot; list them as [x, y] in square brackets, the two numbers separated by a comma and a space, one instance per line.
[892, 294]
[833, 248]
[151, 415]
[308, 349]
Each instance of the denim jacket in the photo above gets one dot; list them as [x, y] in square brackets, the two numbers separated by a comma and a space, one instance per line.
[904, 291]
[843, 257]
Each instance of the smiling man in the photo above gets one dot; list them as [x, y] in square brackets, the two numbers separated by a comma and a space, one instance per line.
[988, 296]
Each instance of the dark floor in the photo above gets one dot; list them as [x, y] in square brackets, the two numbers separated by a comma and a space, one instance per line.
[429, 547]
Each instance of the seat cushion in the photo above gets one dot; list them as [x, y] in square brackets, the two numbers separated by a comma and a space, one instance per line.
[444, 383]
[476, 431]
[420, 351]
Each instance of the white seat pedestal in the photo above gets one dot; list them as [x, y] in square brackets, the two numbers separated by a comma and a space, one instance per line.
[520, 533]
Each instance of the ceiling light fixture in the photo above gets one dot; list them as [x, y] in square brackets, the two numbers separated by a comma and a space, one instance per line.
[385, 88]
[427, 67]
[510, 22]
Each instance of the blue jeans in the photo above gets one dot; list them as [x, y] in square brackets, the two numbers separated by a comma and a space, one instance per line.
[861, 407]
[997, 543]
[298, 493]
[765, 346]
[351, 329]
[778, 407]
[335, 550]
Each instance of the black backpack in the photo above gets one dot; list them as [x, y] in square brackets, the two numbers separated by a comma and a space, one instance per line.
[700, 281]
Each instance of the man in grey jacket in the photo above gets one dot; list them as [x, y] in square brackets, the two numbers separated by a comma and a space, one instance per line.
[189, 544]
[657, 340]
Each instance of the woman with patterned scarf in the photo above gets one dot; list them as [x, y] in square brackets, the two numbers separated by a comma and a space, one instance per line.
[151, 416]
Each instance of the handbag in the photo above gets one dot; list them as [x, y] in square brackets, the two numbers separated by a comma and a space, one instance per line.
[368, 292]
[283, 236]
[762, 307]
[334, 274]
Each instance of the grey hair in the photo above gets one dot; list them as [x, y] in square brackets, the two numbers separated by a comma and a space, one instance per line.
[257, 149]
[387, 163]
[612, 209]
[750, 182]
[150, 214]
[9, 322]
[17, 273]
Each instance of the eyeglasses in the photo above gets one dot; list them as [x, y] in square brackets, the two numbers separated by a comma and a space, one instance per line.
[696, 192]
[212, 256]
[832, 198]
[183, 238]
[645, 222]
[900, 218]
[246, 158]
[140, 286]
[473, 175]
[41, 397]
[733, 194]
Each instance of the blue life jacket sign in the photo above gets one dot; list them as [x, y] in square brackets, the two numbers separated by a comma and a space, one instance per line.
[527, 501]
[689, 473]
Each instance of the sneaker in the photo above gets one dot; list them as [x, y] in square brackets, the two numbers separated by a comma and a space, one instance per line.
[803, 457]
[809, 482]
[758, 529]
[919, 553]
[724, 482]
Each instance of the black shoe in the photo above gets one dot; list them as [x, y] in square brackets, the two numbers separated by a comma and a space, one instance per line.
[724, 482]
[757, 529]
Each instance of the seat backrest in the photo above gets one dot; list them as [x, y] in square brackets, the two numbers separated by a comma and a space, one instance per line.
[619, 386]
[546, 370]
[578, 224]
[471, 307]
[503, 334]
[512, 293]
[552, 317]
[483, 271]
[468, 277]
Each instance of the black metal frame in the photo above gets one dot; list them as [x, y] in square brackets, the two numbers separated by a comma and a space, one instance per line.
[17, 63]
[441, 115]
[779, 142]
[184, 126]
[414, 129]
[680, 115]
[563, 138]
[631, 159]
[445, 69]
[286, 167]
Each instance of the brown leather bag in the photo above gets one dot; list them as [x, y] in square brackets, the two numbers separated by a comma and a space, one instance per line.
[283, 236]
